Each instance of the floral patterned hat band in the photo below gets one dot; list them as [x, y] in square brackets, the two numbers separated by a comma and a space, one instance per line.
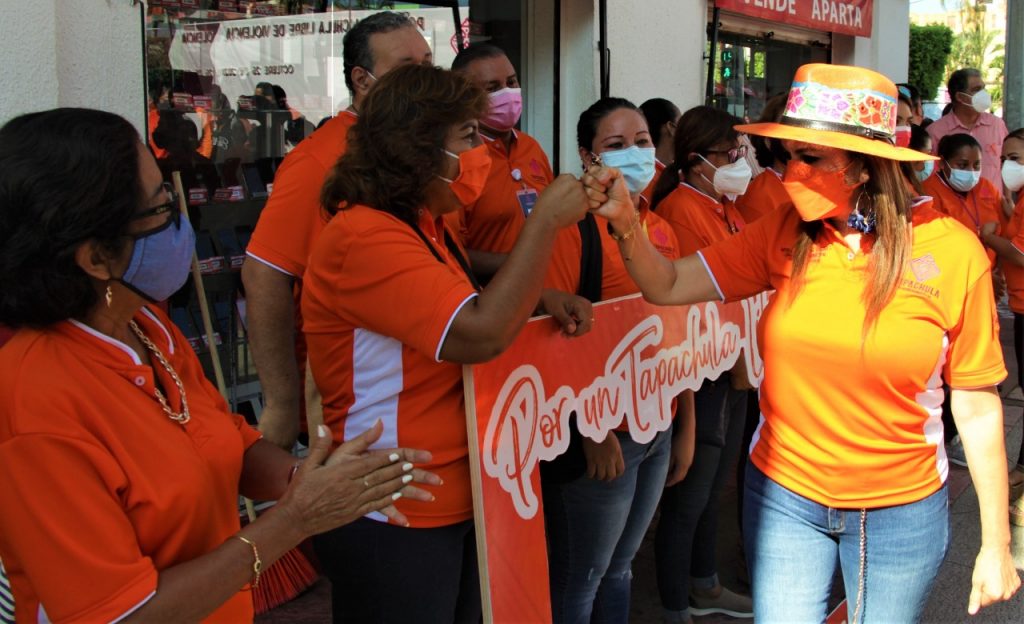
[840, 106]
[860, 112]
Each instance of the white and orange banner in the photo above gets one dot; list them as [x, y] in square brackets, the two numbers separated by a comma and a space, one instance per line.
[628, 369]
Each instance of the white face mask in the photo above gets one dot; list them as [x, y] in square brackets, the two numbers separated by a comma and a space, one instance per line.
[1013, 175]
[981, 101]
[731, 180]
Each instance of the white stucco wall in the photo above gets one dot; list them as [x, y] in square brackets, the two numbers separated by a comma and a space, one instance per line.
[27, 46]
[579, 82]
[84, 53]
[657, 50]
[888, 49]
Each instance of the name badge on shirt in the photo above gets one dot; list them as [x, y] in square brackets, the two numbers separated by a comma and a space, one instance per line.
[527, 200]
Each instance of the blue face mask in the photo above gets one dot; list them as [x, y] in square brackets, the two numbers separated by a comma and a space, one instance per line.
[963, 180]
[924, 174]
[635, 163]
[161, 260]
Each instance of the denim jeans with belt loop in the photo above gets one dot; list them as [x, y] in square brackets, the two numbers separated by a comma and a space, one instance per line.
[794, 543]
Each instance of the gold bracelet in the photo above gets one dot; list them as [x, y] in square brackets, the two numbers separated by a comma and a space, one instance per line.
[629, 231]
[257, 565]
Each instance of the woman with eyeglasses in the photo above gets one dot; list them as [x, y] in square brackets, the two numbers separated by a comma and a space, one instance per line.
[696, 195]
[120, 464]
[878, 299]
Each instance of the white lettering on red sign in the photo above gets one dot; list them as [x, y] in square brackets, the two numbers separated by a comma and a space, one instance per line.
[528, 425]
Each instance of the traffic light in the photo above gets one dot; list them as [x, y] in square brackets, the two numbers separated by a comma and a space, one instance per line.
[728, 63]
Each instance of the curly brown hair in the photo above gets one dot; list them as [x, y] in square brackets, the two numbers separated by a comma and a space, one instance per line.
[396, 147]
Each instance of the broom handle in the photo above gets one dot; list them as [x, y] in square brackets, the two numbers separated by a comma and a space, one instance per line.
[204, 305]
[204, 310]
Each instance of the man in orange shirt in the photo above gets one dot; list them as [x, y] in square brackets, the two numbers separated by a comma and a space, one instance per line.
[519, 168]
[292, 220]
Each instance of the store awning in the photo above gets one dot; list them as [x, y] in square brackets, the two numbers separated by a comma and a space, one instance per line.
[850, 17]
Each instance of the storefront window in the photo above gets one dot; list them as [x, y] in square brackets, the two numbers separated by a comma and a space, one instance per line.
[234, 85]
[750, 70]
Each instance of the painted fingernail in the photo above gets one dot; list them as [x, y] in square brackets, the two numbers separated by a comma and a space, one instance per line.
[406, 478]
[394, 457]
[406, 467]
[396, 496]
[322, 431]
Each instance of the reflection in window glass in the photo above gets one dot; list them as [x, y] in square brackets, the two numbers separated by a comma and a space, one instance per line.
[234, 85]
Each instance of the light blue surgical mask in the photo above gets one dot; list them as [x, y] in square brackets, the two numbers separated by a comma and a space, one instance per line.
[635, 163]
[963, 180]
[924, 174]
[161, 260]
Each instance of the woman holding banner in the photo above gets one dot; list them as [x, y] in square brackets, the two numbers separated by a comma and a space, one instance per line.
[391, 312]
[879, 298]
[696, 196]
[596, 518]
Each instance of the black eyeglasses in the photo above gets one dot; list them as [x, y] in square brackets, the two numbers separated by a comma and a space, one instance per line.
[733, 154]
[171, 206]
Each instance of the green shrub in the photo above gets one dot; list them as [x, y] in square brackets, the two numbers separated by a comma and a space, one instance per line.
[929, 49]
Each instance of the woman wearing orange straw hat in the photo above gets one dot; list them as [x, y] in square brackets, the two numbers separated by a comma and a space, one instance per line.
[879, 298]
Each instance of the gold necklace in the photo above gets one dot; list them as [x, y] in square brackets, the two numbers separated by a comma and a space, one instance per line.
[184, 416]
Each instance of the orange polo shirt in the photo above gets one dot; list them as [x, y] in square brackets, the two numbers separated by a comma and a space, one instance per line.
[850, 425]
[493, 223]
[1013, 273]
[564, 269]
[101, 490]
[764, 194]
[378, 305]
[697, 219]
[292, 219]
[982, 205]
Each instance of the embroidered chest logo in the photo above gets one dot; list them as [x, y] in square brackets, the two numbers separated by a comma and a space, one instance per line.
[924, 268]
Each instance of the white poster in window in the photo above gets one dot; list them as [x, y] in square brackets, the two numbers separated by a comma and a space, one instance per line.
[300, 53]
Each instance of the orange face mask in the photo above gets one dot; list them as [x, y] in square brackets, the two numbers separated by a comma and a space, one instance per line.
[474, 165]
[818, 194]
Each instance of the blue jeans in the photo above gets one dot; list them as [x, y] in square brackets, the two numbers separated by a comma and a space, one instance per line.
[594, 529]
[684, 543]
[793, 544]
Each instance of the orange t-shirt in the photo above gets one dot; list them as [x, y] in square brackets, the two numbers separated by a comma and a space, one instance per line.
[377, 306]
[1013, 273]
[564, 269]
[982, 205]
[293, 218]
[697, 219]
[100, 489]
[764, 194]
[850, 425]
[493, 223]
